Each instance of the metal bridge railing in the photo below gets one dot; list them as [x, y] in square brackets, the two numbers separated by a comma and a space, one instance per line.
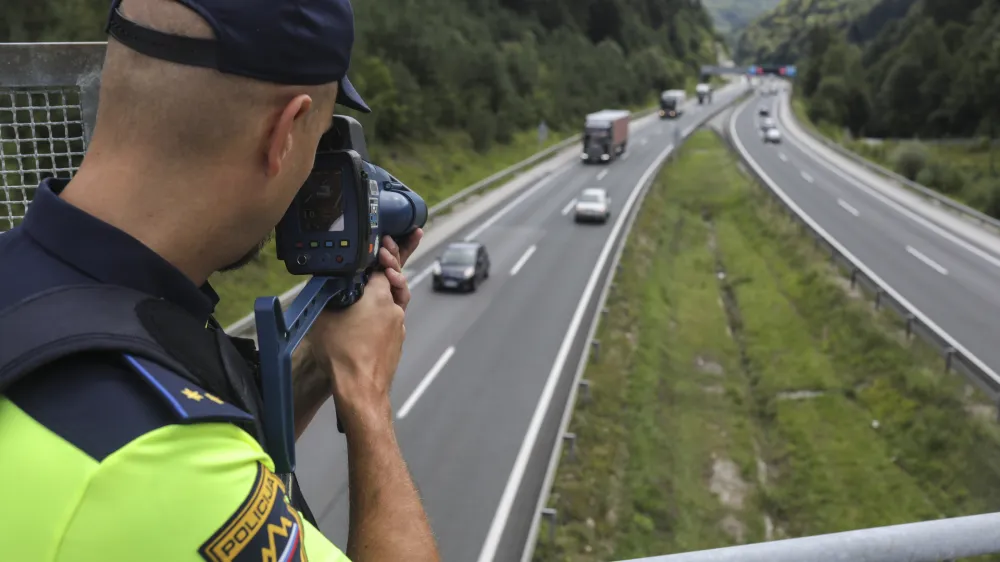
[927, 541]
[48, 104]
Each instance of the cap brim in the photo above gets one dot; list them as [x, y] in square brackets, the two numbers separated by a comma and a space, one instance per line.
[347, 96]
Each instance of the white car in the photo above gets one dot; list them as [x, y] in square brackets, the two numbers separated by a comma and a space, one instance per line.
[772, 135]
[593, 205]
[767, 123]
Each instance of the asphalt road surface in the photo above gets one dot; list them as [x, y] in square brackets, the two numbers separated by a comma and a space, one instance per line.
[950, 278]
[475, 365]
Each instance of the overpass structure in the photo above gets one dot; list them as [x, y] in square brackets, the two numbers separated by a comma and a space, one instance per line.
[48, 96]
[783, 70]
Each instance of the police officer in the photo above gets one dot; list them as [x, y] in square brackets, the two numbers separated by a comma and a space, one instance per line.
[133, 433]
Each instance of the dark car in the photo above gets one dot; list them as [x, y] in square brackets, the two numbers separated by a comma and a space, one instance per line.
[763, 111]
[462, 266]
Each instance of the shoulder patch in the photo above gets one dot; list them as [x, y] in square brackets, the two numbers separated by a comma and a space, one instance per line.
[190, 402]
[264, 528]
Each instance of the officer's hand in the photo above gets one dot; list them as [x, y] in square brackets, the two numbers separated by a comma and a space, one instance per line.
[360, 348]
[392, 258]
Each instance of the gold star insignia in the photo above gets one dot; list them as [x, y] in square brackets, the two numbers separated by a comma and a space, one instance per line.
[192, 394]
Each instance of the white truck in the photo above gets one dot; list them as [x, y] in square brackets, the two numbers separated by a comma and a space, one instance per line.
[671, 103]
[704, 92]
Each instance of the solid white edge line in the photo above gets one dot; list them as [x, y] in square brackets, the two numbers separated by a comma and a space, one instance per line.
[898, 207]
[807, 177]
[569, 206]
[517, 201]
[948, 338]
[420, 276]
[927, 261]
[521, 462]
[601, 175]
[847, 207]
[524, 259]
[428, 379]
[528, 549]
[625, 156]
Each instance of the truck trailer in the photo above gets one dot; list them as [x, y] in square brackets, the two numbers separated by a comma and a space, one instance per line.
[704, 92]
[671, 102]
[605, 135]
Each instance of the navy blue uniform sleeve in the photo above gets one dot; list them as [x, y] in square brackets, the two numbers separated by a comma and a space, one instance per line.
[101, 401]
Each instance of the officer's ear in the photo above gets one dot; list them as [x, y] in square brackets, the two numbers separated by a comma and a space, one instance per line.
[279, 143]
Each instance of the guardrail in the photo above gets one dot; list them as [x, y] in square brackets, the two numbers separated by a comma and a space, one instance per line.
[943, 539]
[577, 383]
[926, 541]
[955, 354]
[48, 106]
[923, 190]
[245, 326]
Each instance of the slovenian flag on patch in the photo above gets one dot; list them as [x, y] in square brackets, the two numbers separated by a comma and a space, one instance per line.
[293, 545]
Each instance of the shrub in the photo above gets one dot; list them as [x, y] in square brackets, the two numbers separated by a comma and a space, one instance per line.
[942, 177]
[909, 159]
[984, 195]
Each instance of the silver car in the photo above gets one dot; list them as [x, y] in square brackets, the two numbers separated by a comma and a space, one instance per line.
[593, 205]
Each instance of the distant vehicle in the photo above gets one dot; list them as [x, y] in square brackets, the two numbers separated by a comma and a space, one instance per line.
[767, 123]
[605, 135]
[763, 111]
[593, 205]
[462, 266]
[772, 135]
[671, 102]
[704, 92]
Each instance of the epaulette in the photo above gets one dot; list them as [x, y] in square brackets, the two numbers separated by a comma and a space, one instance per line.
[189, 402]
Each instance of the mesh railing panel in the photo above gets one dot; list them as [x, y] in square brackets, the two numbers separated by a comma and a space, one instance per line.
[41, 136]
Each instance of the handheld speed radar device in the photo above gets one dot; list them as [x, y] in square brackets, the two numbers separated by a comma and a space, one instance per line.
[331, 231]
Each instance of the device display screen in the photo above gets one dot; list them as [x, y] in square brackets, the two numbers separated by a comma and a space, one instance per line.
[322, 205]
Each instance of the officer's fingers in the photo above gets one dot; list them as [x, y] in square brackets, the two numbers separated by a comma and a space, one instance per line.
[388, 260]
[400, 288]
[390, 244]
[410, 245]
[378, 284]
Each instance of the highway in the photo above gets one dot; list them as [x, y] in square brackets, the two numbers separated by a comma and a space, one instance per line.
[950, 277]
[480, 370]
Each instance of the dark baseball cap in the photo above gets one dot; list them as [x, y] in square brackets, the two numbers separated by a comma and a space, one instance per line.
[295, 42]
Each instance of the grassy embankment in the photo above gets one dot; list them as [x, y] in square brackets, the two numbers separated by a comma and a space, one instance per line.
[960, 171]
[744, 392]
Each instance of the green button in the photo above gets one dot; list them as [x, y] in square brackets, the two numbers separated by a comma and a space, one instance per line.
[314, 244]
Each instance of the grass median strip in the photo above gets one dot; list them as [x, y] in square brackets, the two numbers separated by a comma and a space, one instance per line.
[743, 393]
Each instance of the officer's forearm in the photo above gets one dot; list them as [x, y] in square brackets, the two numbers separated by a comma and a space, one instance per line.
[311, 390]
[387, 520]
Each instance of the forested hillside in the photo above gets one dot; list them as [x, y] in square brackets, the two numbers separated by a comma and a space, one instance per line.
[459, 86]
[731, 16]
[932, 72]
[489, 67]
[917, 69]
[779, 36]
